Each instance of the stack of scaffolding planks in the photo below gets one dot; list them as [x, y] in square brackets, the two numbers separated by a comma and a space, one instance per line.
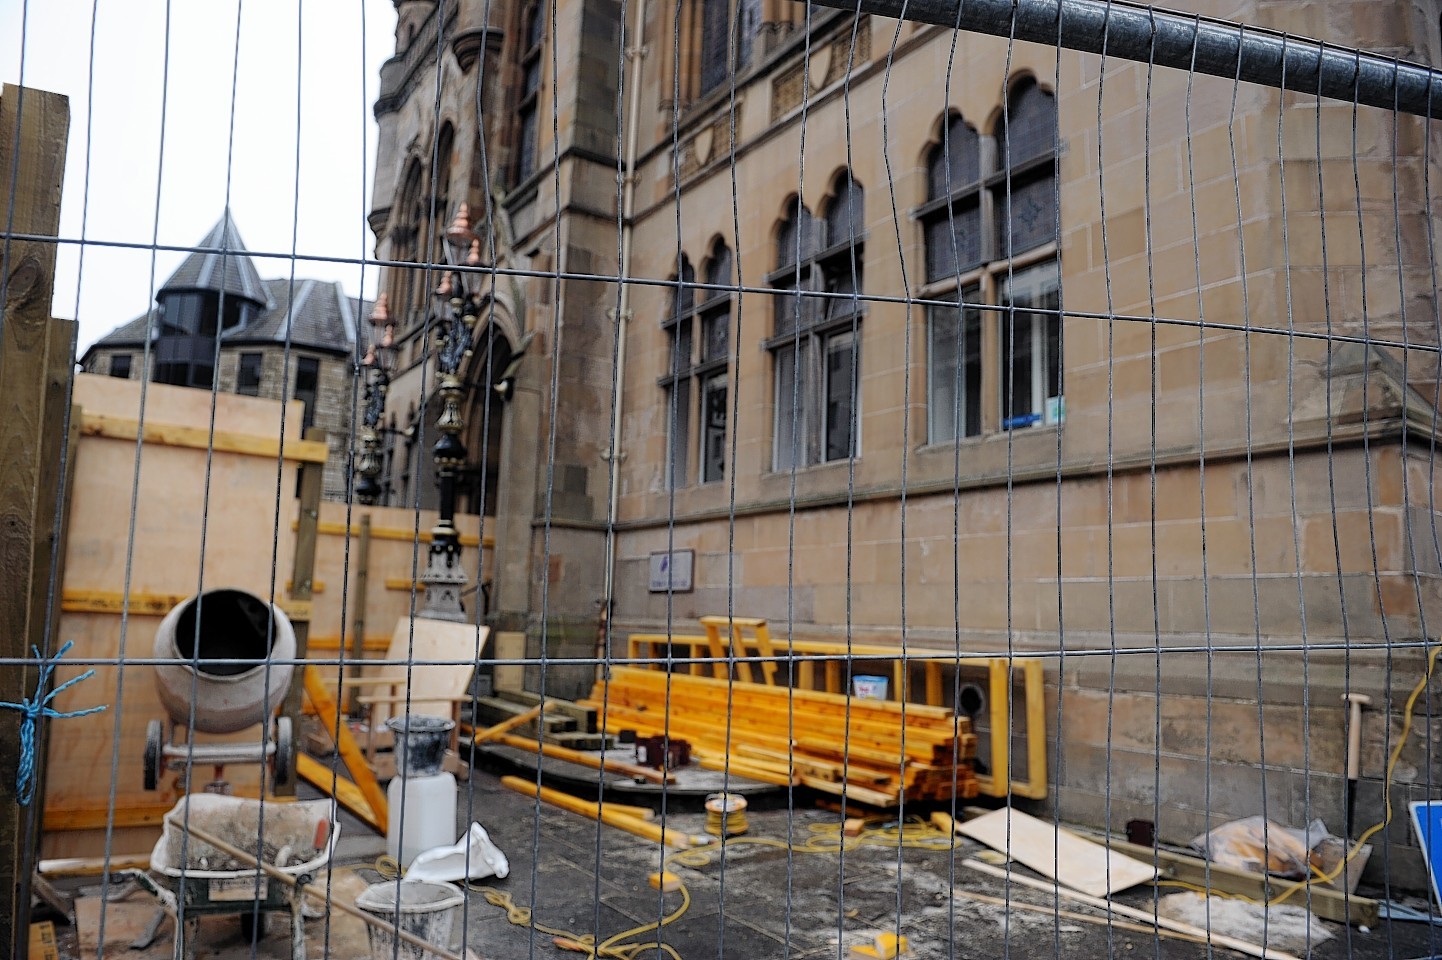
[873, 749]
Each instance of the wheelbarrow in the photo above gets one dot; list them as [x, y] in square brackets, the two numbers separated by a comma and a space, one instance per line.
[193, 879]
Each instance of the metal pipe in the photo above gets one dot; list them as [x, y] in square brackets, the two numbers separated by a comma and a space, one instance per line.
[635, 52]
[1355, 702]
[1186, 42]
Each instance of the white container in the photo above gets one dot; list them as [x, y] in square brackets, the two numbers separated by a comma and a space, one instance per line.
[427, 909]
[428, 805]
[869, 688]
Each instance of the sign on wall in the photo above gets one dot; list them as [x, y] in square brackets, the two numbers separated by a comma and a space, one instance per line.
[672, 571]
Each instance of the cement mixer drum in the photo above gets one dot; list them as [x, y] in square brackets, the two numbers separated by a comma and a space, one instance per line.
[231, 659]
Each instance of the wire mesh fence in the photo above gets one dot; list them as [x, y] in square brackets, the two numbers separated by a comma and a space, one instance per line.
[930, 479]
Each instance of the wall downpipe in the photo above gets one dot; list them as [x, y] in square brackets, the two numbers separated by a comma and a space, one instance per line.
[635, 53]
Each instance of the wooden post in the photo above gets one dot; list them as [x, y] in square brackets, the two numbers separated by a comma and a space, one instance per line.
[302, 574]
[52, 515]
[33, 127]
[358, 624]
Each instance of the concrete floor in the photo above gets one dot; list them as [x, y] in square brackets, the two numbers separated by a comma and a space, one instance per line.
[753, 902]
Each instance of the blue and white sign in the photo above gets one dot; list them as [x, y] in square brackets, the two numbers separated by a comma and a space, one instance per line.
[672, 571]
[1427, 821]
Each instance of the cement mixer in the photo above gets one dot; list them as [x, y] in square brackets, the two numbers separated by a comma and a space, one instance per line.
[229, 657]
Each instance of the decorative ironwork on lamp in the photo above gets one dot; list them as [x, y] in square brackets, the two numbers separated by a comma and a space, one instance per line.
[379, 363]
[457, 307]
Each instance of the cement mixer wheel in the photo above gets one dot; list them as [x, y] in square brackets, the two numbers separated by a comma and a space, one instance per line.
[283, 761]
[154, 742]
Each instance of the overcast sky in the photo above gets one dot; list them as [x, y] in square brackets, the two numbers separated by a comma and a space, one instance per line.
[180, 171]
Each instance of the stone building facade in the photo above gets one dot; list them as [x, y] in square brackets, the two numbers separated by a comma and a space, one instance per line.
[1211, 529]
[216, 323]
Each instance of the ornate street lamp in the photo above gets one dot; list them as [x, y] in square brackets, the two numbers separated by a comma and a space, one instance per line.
[379, 364]
[458, 304]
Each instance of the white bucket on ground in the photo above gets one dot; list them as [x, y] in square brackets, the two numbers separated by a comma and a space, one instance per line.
[427, 909]
[869, 688]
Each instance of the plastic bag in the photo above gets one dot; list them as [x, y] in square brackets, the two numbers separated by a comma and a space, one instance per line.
[1280, 851]
[448, 864]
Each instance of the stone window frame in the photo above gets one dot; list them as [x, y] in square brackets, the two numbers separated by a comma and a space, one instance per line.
[816, 342]
[698, 356]
[309, 397]
[249, 367]
[972, 203]
[716, 40]
[121, 365]
[530, 71]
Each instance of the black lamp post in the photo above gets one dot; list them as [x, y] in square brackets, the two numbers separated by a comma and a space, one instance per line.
[379, 364]
[457, 306]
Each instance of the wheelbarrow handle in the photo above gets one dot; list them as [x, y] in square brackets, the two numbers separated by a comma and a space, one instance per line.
[320, 893]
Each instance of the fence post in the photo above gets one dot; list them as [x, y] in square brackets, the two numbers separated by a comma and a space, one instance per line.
[35, 354]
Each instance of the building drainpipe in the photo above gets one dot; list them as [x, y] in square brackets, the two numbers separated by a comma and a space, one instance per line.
[622, 315]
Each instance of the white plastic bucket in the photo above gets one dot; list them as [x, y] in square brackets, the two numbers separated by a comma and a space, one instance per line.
[421, 815]
[426, 909]
[869, 688]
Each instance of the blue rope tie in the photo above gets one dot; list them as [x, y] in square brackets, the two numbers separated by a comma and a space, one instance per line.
[40, 707]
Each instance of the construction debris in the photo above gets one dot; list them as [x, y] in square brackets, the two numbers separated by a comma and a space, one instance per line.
[883, 946]
[1212, 937]
[1284, 926]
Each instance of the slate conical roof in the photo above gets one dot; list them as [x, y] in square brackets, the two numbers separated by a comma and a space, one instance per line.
[234, 272]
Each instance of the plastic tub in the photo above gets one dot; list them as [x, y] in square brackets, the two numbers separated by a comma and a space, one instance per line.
[869, 688]
[426, 909]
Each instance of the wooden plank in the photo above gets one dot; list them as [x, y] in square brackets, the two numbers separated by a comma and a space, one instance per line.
[749, 771]
[91, 866]
[877, 798]
[505, 726]
[346, 792]
[346, 746]
[200, 438]
[585, 717]
[1212, 937]
[153, 604]
[1057, 852]
[113, 601]
[33, 127]
[132, 813]
[423, 535]
[302, 576]
[594, 761]
[433, 660]
[914, 711]
[509, 677]
[371, 644]
[604, 813]
[362, 589]
[58, 442]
